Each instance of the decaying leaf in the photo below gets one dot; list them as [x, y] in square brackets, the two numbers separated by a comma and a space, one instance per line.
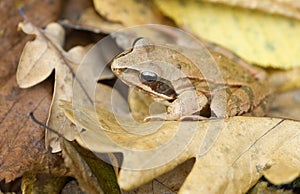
[19, 133]
[42, 183]
[245, 148]
[38, 60]
[22, 141]
[255, 36]
[92, 174]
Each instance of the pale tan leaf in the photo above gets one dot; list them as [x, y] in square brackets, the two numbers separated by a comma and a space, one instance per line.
[89, 18]
[169, 182]
[281, 173]
[39, 58]
[130, 12]
[231, 162]
[38, 61]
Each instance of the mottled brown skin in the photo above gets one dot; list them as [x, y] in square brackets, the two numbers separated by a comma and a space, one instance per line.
[189, 80]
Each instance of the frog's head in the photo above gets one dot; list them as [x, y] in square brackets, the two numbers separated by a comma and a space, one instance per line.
[150, 68]
[145, 77]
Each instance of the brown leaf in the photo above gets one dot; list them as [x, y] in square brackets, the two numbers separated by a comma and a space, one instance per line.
[13, 41]
[22, 140]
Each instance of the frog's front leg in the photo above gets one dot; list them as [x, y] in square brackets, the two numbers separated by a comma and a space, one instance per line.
[183, 107]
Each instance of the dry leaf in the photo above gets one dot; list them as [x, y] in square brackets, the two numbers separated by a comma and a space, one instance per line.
[167, 183]
[22, 141]
[130, 12]
[241, 148]
[12, 41]
[92, 174]
[282, 173]
[20, 134]
[38, 60]
[257, 37]
[289, 8]
[89, 18]
[244, 149]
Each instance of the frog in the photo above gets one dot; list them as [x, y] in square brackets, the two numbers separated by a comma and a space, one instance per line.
[193, 83]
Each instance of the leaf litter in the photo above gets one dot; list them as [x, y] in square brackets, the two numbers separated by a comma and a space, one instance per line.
[239, 163]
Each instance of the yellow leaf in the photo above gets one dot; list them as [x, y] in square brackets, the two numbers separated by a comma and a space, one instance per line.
[258, 37]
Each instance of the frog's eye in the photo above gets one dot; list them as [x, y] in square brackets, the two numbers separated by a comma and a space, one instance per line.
[148, 76]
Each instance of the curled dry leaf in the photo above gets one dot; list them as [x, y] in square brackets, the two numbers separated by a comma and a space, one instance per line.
[241, 148]
[257, 37]
[38, 60]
